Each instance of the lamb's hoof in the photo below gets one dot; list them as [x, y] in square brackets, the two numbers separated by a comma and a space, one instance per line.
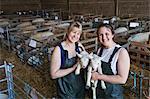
[87, 87]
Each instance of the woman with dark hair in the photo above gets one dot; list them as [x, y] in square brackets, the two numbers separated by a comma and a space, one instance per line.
[64, 63]
[115, 64]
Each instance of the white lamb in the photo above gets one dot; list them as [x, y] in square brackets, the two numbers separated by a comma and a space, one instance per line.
[83, 61]
[95, 65]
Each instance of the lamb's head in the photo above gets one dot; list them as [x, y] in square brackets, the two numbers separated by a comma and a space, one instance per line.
[84, 58]
[95, 61]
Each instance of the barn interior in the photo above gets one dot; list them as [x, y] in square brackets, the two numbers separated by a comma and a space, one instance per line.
[30, 29]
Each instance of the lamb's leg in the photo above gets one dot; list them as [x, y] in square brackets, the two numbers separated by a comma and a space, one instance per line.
[95, 83]
[89, 74]
[77, 71]
[94, 92]
[102, 82]
[94, 88]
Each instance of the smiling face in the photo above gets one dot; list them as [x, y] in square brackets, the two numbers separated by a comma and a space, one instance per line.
[74, 34]
[105, 36]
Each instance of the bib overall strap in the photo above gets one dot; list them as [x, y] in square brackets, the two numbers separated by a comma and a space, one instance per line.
[100, 52]
[62, 55]
[114, 52]
[78, 48]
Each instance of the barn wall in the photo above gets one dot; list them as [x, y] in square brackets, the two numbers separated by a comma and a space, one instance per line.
[104, 7]
[134, 7]
[81, 6]
[19, 5]
[56, 4]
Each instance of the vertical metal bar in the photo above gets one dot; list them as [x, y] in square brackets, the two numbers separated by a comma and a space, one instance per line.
[2, 39]
[43, 14]
[10, 86]
[140, 84]
[134, 82]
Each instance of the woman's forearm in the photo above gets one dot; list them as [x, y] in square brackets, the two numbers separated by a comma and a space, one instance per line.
[62, 72]
[115, 79]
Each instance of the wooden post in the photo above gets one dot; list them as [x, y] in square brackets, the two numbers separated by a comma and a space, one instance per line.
[116, 7]
[149, 87]
[68, 6]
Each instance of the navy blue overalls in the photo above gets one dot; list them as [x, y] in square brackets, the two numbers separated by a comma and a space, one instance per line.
[112, 91]
[70, 86]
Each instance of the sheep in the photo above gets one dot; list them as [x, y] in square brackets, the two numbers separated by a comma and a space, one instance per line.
[63, 25]
[24, 24]
[3, 96]
[29, 28]
[83, 61]
[4, 23]
[114, 19]
[38, 20]
[4, 19]
[41, 35]
[1, 32]
[120, 30]
[35, 60]
[50, 23]
[95, 65]
[140, 37]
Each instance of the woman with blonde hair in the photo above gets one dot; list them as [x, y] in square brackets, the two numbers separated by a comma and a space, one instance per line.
[64, 62]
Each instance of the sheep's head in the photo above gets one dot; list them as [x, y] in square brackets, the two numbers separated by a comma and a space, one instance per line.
[95, 61]
[84, 58]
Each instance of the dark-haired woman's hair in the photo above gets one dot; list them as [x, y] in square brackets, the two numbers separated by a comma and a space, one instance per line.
[107, 26]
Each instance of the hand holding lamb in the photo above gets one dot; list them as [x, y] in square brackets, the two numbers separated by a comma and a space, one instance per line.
[95, 65]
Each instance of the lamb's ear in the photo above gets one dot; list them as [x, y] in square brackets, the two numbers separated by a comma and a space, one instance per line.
[79, 55]
[91, 55]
